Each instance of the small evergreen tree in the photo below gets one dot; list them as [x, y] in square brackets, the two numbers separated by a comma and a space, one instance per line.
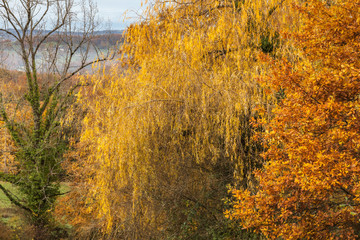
[38, 134]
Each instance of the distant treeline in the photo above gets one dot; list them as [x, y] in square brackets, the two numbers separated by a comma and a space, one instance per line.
[99, 41]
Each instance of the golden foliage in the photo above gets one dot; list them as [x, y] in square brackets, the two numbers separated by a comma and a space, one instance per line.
[12, 85]
[170, 128]
[309, 189]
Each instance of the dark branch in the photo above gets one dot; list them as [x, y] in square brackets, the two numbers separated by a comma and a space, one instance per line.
[9, 195]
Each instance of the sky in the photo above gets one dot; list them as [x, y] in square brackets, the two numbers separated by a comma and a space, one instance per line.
[108, 11]
[113, 11]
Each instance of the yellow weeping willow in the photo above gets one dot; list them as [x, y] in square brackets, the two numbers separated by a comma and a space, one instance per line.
[169, 128]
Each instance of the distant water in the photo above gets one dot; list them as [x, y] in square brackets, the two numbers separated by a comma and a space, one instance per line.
[11, 59]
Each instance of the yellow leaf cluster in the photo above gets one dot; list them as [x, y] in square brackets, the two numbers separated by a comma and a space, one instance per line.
[171, 123]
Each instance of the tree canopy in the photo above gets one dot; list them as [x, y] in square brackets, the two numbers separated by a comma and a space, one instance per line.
[309, 188]
[169, 130]
[220, 119]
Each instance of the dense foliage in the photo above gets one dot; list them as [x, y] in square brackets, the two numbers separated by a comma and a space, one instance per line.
[230, 119]
[166, 133]
[42, 33]
[309, 188]
[29, 161]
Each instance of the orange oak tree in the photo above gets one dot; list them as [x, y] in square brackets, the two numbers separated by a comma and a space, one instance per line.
[309, 188]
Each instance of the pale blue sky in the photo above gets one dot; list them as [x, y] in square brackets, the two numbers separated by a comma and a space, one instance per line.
[114, 10]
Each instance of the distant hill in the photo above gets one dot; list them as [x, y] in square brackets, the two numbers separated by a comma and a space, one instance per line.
[111, 32]
[43, 32]
[101, 39]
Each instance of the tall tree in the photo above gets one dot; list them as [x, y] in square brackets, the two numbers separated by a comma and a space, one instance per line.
[309, 189]
[49, 36]
[161, 141]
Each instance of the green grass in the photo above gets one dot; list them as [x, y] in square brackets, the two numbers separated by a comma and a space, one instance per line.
[9, 213]
[10, 216]
[13, 221]
[64, 187]
[4, 201]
